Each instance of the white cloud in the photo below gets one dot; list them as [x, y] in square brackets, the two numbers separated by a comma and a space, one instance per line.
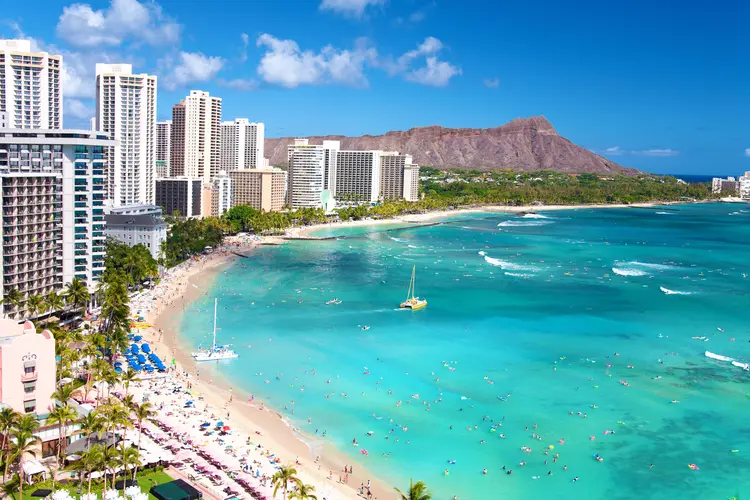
[614, 151]
[82, 26]
[492, 83]
[747, 152]
[245, 42]
[417, 16]
[350, 8]
[656, 152]
[239, 84]
[191, 67]
[435, 73]
[285, 64]
[75, 108]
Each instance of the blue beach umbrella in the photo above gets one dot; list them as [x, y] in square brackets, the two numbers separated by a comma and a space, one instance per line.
[145, 348]
[137, 338]
[141, 358]
[118, 369]
[220, 424]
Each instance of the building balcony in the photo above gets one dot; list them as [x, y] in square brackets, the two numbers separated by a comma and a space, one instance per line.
[28, 377]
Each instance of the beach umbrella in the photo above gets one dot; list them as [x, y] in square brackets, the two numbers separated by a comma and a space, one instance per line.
[134, 348]
[220, 424]
[138, 338]
[205, 424]
[226, 428]
[117, 364]
[141, 358]
[145, 348]
[118, 369]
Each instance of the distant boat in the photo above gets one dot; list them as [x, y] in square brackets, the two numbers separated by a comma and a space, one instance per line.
[412, 302]
[217, 351]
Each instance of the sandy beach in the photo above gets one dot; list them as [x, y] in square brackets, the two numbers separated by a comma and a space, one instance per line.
[301, 232]
[318, 463]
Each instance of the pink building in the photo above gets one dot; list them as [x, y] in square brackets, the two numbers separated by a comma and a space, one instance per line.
[27, 367]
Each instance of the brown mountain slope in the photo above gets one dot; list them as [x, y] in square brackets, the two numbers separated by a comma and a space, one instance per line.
[525, 144]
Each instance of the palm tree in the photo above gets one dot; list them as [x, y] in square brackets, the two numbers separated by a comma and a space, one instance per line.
[54, 301]
[128, 377]
[27, 423]
[144, 411]
[285, 475]
[90, 462]
[13, 298]
[90, 424]
[33, 305]
[61, 416]
[8, 419]
[125, 458]
[25, 442]
[77, 293]
[303, 492]
[64, 393]
[109, 461]
[417, 491]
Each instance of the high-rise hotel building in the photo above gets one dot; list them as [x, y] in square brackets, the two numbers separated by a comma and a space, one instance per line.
[202, 140]
[52, 202]
[126, 109]
[242, 145]
[31, 94]
[399, 177]
[312, 170]
[163, 147]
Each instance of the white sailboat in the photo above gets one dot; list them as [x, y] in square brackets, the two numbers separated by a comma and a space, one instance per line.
[217, 351]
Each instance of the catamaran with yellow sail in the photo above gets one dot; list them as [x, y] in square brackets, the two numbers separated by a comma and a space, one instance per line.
[412, 302]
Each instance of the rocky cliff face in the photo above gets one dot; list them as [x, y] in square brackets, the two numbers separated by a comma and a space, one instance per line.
[525, 144]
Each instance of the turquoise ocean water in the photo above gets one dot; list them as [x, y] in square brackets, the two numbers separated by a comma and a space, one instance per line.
[589, 311]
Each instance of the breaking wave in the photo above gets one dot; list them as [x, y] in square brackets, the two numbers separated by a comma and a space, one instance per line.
[519, 275]
[665, 213]
[523, 223]
[534, 216]
[673, 292]
[482, 253]
[505, 265]
[628, 271]
[400, 240]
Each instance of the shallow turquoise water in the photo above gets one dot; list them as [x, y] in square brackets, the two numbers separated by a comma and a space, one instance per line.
[539, 317]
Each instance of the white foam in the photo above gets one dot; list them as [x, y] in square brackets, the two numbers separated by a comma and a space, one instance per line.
[400, 240]
[673, 292]
[523, 223]
[519, 275]
[505, 265]
[482, 253]
[648, 265]
[628, 271]
[534, 216]
[665, 213]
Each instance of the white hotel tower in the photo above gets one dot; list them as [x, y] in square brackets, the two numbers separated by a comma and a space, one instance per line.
[30, 87]
[126, 109]
[242, 144]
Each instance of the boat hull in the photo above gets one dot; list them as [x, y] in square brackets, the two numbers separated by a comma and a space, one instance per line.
[207, 357]
[414, 305]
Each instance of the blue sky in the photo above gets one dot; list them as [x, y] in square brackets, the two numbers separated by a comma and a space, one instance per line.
[662, 86]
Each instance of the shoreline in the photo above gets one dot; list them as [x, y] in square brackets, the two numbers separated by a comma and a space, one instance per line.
[321, 463]
[304, 231]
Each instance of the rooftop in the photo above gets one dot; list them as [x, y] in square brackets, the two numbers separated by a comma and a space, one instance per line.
[140, 220]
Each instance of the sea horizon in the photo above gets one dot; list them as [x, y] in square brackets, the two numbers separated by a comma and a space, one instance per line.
[525, 314]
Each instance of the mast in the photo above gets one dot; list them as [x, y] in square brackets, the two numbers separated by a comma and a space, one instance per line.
[216, 302]
[413, 281]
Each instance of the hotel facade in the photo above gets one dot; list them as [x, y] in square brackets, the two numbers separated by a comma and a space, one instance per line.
[31, 93]
[126, 109]
[53, 192]
[260, 188]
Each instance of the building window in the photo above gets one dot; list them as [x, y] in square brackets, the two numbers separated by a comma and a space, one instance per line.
[29, 387]
[29, 406]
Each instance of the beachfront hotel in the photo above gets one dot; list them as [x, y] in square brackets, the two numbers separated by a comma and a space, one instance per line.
[201, 143]
[163, 148]
[31, 95]
[259, 188]
[148, 230]
[242, 145]
[221, 199]
[53, 185]
[126, 109]
[312, 170]
[399, 177]
[357, 176]
[179, 195]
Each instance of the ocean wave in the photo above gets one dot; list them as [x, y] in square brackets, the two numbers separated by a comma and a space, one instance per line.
[400, 240]
[505, 265]
[673, 292]
[628, 271]
[665, 213]
[519, 275]
[534, 216]
[524, 223]
[648, 265]
[482, 253]
[412, 246]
